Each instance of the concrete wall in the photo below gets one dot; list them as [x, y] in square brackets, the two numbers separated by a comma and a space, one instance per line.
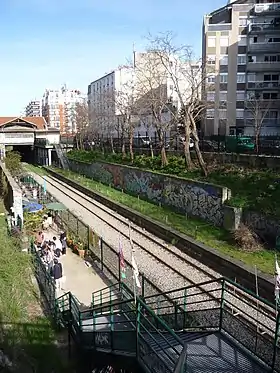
[13, 196]
[197, 199]
[251, 160]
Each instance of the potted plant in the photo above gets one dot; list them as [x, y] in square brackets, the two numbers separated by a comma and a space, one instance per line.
[81, 250]
[69, 241]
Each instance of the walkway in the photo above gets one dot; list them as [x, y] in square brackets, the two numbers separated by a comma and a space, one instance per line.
[81, 280]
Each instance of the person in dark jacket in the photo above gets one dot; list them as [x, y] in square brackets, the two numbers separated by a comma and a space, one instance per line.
[57, 273]
[63, 242]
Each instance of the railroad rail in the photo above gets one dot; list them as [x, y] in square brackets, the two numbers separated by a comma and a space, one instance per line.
[97, 209]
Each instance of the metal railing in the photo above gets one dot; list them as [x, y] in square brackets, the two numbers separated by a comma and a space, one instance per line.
[213, 305]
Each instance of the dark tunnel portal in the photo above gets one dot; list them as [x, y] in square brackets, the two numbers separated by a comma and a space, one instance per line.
[26, 152]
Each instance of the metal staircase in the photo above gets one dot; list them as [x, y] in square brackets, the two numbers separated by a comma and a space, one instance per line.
[116, 325]
[62, 157]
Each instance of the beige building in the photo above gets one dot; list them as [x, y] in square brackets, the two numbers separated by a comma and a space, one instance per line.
[57, 108]
[241, 53]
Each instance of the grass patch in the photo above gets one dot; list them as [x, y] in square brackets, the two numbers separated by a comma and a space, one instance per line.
[212, 236]
[27, 336]
[255, 189]
[36, 169]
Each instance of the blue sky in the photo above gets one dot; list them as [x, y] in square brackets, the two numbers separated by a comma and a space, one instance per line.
[45, 43]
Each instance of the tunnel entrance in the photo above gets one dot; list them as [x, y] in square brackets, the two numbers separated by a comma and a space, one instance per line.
[26, 152]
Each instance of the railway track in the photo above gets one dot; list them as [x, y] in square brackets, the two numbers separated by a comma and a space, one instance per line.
[163, 256]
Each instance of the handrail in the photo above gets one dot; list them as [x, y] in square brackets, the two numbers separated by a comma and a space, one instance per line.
[179, 368]
[94, 309]
[152, 313]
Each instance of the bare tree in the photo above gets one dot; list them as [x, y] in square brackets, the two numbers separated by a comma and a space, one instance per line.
[126, 106]
[187, 77]
[80, 119]
[258, 109]
[151, 85]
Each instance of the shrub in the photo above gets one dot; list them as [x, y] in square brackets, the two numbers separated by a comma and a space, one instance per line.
[13, 163]
[246, 239]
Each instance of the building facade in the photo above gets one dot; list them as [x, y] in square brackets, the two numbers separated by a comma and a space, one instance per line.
[33, 109]
[146, 79]
[58, 106]
[241, 56]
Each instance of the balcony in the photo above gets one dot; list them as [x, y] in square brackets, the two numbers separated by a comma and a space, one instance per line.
[264, 47]
[219, 27]
[266, 122]
[264, 85]
[263, 66]
[263, 104]
[266, 9]
[258, 28]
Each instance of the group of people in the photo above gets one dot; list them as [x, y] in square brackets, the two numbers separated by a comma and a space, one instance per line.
[50, 252]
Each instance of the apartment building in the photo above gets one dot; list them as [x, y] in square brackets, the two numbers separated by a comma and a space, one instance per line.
[33, 109]
[58, 106]
[104, 111]
[241, 55]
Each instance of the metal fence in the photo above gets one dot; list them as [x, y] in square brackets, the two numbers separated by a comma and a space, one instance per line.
[257, 331]
[267, 144]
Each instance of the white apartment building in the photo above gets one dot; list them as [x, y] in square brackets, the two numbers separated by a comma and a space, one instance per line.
[33, 109]
[57, 108]
[104, 113]
[241, 52]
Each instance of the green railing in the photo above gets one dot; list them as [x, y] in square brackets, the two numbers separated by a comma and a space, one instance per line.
[219, 304]
[44, 279]
[158, 347]
[125, 327]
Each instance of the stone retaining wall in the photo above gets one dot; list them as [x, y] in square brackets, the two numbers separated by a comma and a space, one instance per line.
[249, 160]
[193, 198]
[13, 196]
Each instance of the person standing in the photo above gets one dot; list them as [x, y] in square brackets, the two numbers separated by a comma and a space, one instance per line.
[63, 242]
[58, 247]
[49, 259]
[57, 274]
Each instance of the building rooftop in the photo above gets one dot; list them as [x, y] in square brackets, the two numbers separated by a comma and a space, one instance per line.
[39, 122]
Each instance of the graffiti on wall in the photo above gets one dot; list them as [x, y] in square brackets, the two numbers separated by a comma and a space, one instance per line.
[268, 228]
[188, 197]
[194, 200]
[143, 184]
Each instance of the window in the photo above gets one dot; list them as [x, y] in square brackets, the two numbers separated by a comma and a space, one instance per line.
[241, 78]
[242, 22]
[251, 77]
[210, 96]
[270, 96]
[210, 113]
[240, 95]
[242, 40]
[271, 78]
[224, 41]
[222, 114]
[223, 96]
[272, 40]
[211, 79]
[211, 59]
[241, 59]
[211, 41]
[273, 58]
[239, 113]
[224, 60]
[223, 78]
[271, 115]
